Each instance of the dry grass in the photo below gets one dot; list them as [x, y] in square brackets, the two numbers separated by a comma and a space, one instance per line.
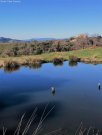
[20, 131]
[90, 55]
[87, 131]
[10, 65]
[73, 58]
[34, 62]
[81, 130]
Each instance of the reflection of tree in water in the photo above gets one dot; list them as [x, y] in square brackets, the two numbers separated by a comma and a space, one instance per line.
[58, 64]
[10, 66]
[11, 69]
[35, 65]
[72, 63]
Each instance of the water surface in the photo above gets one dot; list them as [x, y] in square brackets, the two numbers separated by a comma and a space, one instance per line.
[77, 97]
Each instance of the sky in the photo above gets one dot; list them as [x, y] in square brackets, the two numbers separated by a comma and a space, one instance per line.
[25, 19]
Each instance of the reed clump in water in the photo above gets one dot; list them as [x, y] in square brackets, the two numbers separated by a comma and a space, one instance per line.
[34, 62]
[57, 61]
[11, 65]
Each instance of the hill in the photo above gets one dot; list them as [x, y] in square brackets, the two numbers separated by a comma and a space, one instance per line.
[8, 40]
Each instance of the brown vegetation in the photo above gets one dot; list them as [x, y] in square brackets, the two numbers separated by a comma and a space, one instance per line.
[10, 66]
[36, 47]
[73, 58]
[34, 63]
[58, 61]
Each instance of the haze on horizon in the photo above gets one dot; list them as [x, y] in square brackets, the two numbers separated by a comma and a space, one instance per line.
[50, 18]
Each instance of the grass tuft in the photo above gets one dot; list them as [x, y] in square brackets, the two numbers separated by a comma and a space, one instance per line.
[34, 62]
[58, 61]
[73, 58]
[10, 65]
[20, 131]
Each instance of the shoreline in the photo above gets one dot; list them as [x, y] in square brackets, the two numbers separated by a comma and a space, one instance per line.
[23, 63]
[89, 55]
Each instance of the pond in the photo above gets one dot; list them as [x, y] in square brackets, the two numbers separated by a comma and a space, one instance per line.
[76, 99]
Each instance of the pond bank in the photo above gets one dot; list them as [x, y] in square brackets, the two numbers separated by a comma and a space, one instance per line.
[90, 55]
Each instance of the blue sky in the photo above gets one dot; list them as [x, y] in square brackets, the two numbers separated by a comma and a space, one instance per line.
[50, 18]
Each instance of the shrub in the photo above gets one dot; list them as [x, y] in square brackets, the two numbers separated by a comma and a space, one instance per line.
[10, 66]
[25, 127]
[73, 58]
[34, 63]
[58, 61]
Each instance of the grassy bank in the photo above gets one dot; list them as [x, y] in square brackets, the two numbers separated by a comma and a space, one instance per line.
[89, 55]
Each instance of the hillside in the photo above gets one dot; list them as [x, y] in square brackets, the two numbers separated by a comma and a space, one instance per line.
[8, 40]
[82, 41]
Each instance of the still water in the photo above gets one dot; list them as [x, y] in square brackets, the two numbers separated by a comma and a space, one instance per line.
[76, 98]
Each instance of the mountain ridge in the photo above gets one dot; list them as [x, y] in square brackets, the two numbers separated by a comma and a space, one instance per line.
[9, 40]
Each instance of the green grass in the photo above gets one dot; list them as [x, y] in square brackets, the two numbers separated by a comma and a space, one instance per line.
[87, 55]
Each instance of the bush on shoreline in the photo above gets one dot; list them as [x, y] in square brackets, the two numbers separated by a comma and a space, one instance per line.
[58, 61]
[34, 62]
[73, 58]
[10, 66]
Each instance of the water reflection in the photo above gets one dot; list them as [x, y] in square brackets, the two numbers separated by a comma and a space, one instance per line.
[35, 66]
[58, 61]
[8, 132]
[58, 64]
[99, 86]
[77, 97]
[72, 63]
[53, 91]
[10, 70]
[11, 100]
[13, 69]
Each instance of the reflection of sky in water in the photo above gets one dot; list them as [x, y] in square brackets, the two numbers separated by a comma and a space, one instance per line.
[77, 97]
